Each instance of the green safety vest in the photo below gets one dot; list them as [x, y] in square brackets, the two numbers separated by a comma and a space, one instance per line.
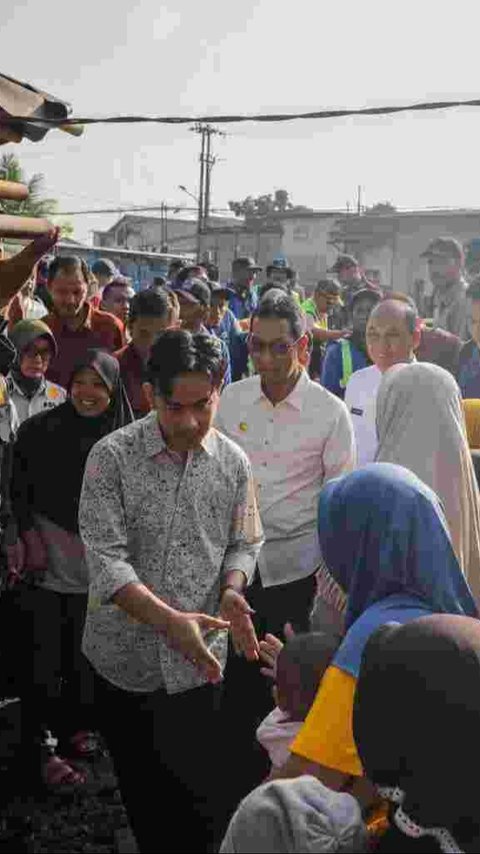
[347, 364]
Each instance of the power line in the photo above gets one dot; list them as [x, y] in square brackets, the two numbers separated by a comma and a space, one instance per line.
[136, 209]
[255, 117]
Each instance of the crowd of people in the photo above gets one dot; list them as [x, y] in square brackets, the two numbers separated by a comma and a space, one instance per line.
[241, 540]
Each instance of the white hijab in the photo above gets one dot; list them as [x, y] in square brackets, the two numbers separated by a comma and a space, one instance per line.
[421, 426]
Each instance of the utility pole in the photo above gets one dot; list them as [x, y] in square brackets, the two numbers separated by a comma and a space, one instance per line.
[206, 162]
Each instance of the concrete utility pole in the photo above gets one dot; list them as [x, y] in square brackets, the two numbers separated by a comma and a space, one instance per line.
[206, 163]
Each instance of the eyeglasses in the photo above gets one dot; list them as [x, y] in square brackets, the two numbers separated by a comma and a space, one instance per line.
[33, 352]
[275, 348]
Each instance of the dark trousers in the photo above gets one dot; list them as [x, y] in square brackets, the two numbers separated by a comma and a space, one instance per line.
[56, 679]
[164, 751]
[248, 695]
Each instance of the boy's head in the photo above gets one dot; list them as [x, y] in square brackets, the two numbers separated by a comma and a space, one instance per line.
[473, 294]
[300, 667]
[151, 312]
[327, 295]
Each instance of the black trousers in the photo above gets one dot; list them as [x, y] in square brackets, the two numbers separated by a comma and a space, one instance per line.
[164, 749]
[56, 679]
[248, 696]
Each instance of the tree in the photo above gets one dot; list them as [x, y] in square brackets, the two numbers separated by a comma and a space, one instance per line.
[35, 205]
[263, 206]
[381, 208]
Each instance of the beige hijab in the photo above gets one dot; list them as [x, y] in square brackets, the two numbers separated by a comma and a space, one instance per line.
[421, 426]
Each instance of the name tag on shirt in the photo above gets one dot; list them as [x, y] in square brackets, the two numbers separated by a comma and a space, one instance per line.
[355, 411]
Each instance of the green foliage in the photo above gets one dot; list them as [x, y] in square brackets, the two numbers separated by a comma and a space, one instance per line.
[36, 205]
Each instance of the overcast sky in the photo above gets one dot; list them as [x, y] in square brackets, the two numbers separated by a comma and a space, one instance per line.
[211, 56]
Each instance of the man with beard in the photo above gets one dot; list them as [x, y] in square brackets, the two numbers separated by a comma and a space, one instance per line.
[349, 354]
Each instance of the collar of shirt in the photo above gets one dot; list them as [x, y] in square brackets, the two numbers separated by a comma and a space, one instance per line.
[295, 398]
[13, 387]
[155, 443]
[87, 312]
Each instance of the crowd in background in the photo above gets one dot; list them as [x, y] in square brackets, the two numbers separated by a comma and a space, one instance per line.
[241, 539]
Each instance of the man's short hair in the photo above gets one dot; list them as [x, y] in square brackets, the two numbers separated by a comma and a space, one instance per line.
[117, 283]
[282, 306]
[411, 312]
[177, 351]
[150, 303]
[328, 286]
[68, 264]
[272, 286]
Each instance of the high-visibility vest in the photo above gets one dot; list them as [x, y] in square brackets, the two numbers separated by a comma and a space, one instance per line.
[347, 363]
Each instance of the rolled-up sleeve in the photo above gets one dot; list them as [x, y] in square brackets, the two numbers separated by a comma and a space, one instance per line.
[246, 533]
[102, 526]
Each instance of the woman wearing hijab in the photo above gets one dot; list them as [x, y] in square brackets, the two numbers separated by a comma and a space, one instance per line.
[421, 426]
[416, 723]
[27, 392]
[385, 541]
[49, 460]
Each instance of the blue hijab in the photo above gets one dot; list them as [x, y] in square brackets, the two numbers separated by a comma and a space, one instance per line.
[385, 540]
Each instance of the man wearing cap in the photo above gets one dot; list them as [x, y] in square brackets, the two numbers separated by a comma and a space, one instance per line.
[280, 274]
[349, 354]
[445, 260]
[242, 296]
[194, 296]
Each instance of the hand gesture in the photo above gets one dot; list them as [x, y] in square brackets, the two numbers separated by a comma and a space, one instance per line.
[235, 608]
[185, 633]
[270, 649]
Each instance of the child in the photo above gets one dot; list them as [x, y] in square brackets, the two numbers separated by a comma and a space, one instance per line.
[299, 668]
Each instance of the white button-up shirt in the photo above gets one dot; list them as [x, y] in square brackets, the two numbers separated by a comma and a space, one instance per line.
[294, 447]
[361, 401]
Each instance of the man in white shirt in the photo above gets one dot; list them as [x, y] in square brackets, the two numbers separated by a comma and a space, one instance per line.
[392, 336]
[297, 436]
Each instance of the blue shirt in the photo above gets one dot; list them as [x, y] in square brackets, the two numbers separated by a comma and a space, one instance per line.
[227, 379]
[236, 340]
[242, 306]
[332, 368]
[469, 371]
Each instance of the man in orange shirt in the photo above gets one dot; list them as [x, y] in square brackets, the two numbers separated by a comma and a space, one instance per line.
[77, 326]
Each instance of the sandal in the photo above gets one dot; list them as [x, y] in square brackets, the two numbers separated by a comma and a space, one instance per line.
[59, 774]
[84, 744]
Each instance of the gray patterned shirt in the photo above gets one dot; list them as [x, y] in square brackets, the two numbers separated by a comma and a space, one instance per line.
[144, 517]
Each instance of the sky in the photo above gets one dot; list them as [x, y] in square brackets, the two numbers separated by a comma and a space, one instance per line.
[194, 57]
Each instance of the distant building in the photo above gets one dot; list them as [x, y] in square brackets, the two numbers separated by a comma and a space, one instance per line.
[389, 246]
[154, 234]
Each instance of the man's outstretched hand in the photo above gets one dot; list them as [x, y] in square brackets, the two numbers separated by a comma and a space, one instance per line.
[185, 632]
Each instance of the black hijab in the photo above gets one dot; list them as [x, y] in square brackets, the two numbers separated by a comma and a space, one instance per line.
[416, 724]
[52, 449]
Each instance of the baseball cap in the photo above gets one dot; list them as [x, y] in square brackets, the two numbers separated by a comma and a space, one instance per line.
[444, 246]
[195, 291]
[342, 262]
[246, 261]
